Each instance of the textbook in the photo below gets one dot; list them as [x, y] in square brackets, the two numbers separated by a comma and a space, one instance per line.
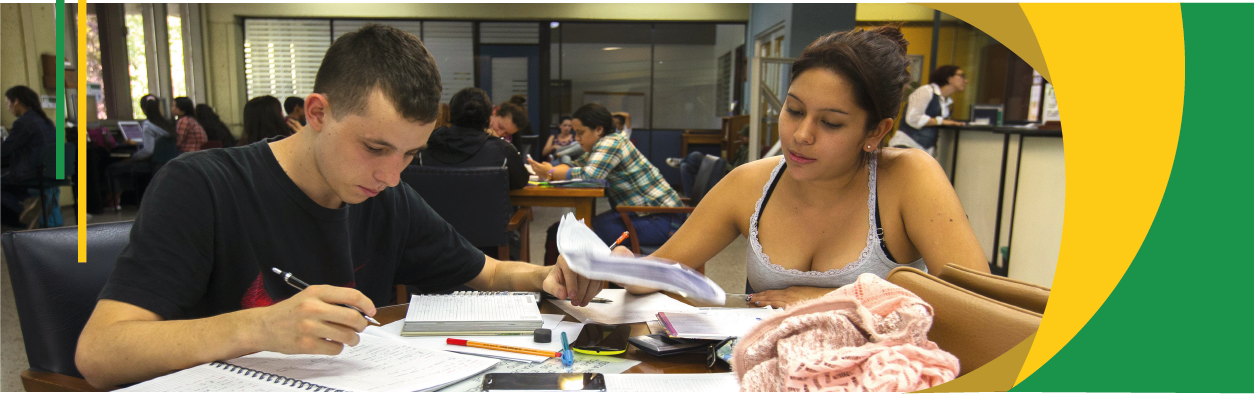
[375, 364]
[472, 313]
[707, 325]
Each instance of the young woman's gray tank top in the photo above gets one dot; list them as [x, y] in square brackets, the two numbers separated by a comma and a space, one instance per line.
[764, 275]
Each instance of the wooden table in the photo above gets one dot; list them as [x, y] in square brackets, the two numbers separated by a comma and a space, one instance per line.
[582, 199]
[679, 363]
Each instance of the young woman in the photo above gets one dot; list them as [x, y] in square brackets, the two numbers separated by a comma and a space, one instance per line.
[929, 107]
[510, 117]
[263, 118]
[464, 144]
[836, 205]
[214, 128]
[188, 131]
[632, 179]
[562, 145]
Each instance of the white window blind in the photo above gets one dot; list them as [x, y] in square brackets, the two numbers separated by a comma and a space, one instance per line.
[509, 33]
[343, 26]
[281, 56]
[453, 47]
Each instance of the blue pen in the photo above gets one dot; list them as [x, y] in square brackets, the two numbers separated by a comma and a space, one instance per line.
[568, 357]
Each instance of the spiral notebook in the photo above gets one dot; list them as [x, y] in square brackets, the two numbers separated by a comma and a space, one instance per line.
[472, 313]
[375, 364]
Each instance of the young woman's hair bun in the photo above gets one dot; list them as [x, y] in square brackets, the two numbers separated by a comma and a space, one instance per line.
[518, 99]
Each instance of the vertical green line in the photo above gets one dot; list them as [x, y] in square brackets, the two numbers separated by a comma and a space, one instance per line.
[60, 70]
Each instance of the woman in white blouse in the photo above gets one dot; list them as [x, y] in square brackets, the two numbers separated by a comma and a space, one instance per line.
[928, 107]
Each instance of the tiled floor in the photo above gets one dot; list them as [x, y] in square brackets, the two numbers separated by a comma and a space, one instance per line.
[727, 269]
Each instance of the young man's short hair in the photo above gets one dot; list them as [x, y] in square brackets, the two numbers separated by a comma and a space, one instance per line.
[291, 103]
[383, 57]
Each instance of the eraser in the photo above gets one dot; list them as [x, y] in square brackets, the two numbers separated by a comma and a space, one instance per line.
[542, 335]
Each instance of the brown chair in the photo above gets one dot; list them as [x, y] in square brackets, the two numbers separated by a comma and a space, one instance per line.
[1021, 294]
[975, 328]
[701, 137]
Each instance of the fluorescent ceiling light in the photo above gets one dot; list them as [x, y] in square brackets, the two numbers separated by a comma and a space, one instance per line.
[611, 48]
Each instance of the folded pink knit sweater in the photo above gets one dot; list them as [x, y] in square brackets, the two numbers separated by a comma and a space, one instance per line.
[867, 336]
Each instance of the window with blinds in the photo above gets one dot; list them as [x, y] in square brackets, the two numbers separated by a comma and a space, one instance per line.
[343, 26]
[281, 56]
[452, 44]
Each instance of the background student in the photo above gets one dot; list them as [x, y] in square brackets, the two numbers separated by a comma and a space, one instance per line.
[864, 209]
[464, 144]
[562, 145]
[20, 153]
[929, 107]
[263, 119]
[214, 128]
[190, 135]
[155, 127]
[295, 107]
[510, 117]
[632, 180]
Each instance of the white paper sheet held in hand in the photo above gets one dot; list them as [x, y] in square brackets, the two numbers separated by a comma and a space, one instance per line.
[588, 256]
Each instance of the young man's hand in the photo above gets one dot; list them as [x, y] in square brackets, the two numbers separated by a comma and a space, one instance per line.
[311, 322]
[565, 284]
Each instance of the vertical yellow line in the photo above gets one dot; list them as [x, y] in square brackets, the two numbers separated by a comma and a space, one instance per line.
[81, 204]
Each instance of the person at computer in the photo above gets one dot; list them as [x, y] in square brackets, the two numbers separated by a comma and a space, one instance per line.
[155, 127]
[194, 284]
[214, 128]
[928, 107]
[190, 135]
[31, 132]
[632, 180]
[837, 204]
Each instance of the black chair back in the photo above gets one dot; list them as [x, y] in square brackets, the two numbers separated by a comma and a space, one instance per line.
[526, 143]
[55, 294]
[475, 200]
[712, 170]
[164, 150]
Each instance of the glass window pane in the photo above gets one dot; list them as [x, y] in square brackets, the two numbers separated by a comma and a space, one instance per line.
[135, 59]
[95, 73]
[174, 23]
[608, 63]
[692, 74]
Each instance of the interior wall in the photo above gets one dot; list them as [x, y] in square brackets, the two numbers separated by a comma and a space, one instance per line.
[224, 51]
[26, 32]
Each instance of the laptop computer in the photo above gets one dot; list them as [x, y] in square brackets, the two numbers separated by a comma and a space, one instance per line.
[132, 131]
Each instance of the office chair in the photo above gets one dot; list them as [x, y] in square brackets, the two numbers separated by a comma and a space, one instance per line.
[56, 294]
[475, 201]
[712, 170]
[975, 328]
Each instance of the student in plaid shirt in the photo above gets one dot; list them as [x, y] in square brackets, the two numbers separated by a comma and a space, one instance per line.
[190, 135]
[632, 179]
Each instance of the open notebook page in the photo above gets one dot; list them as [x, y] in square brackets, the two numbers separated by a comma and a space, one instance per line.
[375, 364]
[697, 382]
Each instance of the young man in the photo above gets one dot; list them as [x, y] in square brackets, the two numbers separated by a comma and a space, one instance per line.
[194, 284]
[295, 107]
[622, 123]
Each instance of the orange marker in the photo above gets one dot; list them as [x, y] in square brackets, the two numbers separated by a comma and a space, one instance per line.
[620, 239]
[503, 348]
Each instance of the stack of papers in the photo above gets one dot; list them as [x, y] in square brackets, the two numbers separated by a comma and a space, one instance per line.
[490, 314]
[587, 255]
[671, 383]
[702, 325]
[624, 308]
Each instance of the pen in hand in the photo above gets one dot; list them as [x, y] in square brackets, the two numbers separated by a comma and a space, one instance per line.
[301, 285]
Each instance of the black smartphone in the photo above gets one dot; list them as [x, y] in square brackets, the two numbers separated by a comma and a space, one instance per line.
[543, 382]
[602, 339]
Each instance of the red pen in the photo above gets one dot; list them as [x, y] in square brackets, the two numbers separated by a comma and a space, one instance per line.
[620, 239]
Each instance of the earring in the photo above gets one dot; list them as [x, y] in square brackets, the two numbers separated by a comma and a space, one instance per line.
[868, 147]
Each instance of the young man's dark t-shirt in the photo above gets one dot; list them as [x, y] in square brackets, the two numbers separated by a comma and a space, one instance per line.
[214, 222]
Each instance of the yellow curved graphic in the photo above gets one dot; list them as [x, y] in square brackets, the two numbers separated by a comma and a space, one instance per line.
[1118, 74]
